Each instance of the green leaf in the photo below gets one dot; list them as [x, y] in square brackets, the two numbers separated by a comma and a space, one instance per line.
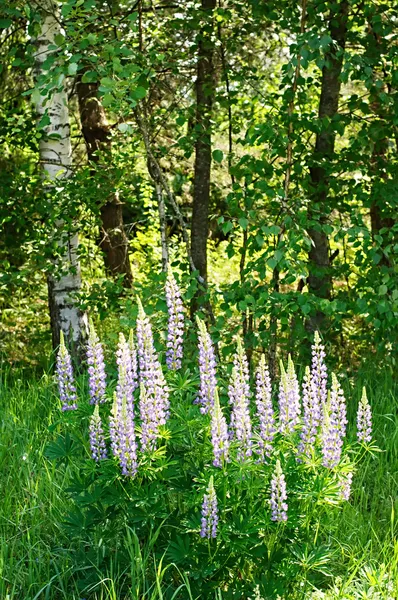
[218, 155]
[243, 222]
[138, 93]
[107, 100]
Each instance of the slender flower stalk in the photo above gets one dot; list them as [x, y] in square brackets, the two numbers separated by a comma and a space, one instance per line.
[364, 419]
[319, 379]
[219, 433]
[209, 513]
[125, 384]
[265, 411]
[333, 426]
[97, 440]
[154, 397]
[65, 379]
[123, 438]
[207, 369]
[239, 397]
[176, 323]
[278, 495]
[289, 399]
[310, 416]
[96, 367]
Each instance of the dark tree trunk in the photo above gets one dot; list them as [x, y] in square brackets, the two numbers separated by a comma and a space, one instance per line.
[320, 278]
[113, 240]
[201, 194]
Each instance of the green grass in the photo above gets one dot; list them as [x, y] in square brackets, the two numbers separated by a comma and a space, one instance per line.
[39, 561]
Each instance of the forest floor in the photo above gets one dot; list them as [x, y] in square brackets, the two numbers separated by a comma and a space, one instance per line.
[36, 554]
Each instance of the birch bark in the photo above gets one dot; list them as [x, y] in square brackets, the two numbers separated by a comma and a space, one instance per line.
[56, 160]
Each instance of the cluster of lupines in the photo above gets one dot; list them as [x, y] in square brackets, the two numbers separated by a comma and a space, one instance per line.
[209, 513]
[175, 330]
[66, 382]
[239, 398]
[96, 367]
[207, 369]
[154, 403]
[323, 417]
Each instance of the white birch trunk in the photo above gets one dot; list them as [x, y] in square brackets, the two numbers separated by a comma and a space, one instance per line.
[56, 160]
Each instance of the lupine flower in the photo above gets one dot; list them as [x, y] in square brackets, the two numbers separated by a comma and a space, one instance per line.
[265, 410]
[123, 439]
[134, 363]
[310, 416]
[289, 399]
[96, 367]
[345, 482]
[319, 378]
[125, 384]
[364, 419]
[65, 379]
[154, 397]
[209, 513]
[239, 397]
[333, 426]
[278, 495]
[219, 433]
[176, 323]
[207, 369]
[97, 440]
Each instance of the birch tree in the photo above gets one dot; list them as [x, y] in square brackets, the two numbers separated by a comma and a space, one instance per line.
[56, 159]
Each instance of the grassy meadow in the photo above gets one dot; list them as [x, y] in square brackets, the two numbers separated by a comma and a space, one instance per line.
[38, 560]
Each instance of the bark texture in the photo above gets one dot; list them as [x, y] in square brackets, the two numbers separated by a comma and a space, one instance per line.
[202, 168]
[320, 278]
[95, 128]
[56, 159]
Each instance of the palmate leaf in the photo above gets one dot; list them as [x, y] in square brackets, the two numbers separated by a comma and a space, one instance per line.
[179, 550]
[62, 449]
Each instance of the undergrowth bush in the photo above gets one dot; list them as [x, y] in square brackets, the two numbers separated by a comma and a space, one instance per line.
[232, 478]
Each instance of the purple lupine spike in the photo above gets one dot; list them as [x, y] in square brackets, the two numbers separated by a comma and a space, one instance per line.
[207, 369]
[97, 439]
[65, 379]
[311, 417]
[176, 323]
[319, 378]
[333, 426]
[154, 404]
[364, 419]
[239, 398]
[219, 433]
[278, 495]
[345, 482]
[96, 367]
[125, 383]
[134, 363]
[265, 411]
[123, 439]
[209, 520]
[289, 399]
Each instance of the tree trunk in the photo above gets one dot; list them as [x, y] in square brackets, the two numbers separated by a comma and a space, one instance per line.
[320, 278]
[202, 169]
[56, 158]
[113, 240]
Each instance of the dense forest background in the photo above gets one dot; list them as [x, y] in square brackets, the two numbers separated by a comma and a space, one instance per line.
[253, 145]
